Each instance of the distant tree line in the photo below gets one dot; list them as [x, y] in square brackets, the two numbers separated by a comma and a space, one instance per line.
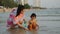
[27, 6]
[8, 3]
[11, 4]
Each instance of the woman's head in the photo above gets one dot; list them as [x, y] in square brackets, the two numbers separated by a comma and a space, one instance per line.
[33, 16]
[20, 10]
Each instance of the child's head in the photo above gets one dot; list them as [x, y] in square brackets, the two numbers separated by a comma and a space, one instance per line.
[20, 9]
[33, 16]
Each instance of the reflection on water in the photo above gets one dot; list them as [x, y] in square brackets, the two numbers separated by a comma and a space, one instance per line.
[16, 31]
[48, 20]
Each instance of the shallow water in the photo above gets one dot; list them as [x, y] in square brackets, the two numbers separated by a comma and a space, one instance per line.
[48, 20]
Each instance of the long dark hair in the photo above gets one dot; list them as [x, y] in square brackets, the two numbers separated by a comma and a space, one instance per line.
[19, 9]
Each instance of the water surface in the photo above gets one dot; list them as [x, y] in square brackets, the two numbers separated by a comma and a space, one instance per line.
[48, 20]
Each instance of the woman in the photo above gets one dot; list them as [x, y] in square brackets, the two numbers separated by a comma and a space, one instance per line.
[19, 19]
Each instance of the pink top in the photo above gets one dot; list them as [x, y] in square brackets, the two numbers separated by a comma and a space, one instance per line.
[19, 18]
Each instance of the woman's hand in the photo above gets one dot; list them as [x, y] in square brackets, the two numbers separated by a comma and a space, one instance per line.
[26, 29]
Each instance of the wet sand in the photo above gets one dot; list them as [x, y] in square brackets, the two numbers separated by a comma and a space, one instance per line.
[47, 25]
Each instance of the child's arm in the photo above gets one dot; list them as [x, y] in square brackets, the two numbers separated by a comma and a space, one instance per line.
[29, 25]
[36, 24]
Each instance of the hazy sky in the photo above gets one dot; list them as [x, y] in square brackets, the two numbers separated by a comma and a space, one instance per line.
[47, 3]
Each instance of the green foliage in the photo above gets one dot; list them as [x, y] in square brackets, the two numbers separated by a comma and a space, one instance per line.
[27, 6]
[9, 3]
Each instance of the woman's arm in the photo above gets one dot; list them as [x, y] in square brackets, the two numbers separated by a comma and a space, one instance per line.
[18, 23]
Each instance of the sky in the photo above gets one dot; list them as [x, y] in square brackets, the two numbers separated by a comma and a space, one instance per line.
[47, 3]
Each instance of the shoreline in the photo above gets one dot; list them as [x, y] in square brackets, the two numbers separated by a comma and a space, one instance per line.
[9, 9]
